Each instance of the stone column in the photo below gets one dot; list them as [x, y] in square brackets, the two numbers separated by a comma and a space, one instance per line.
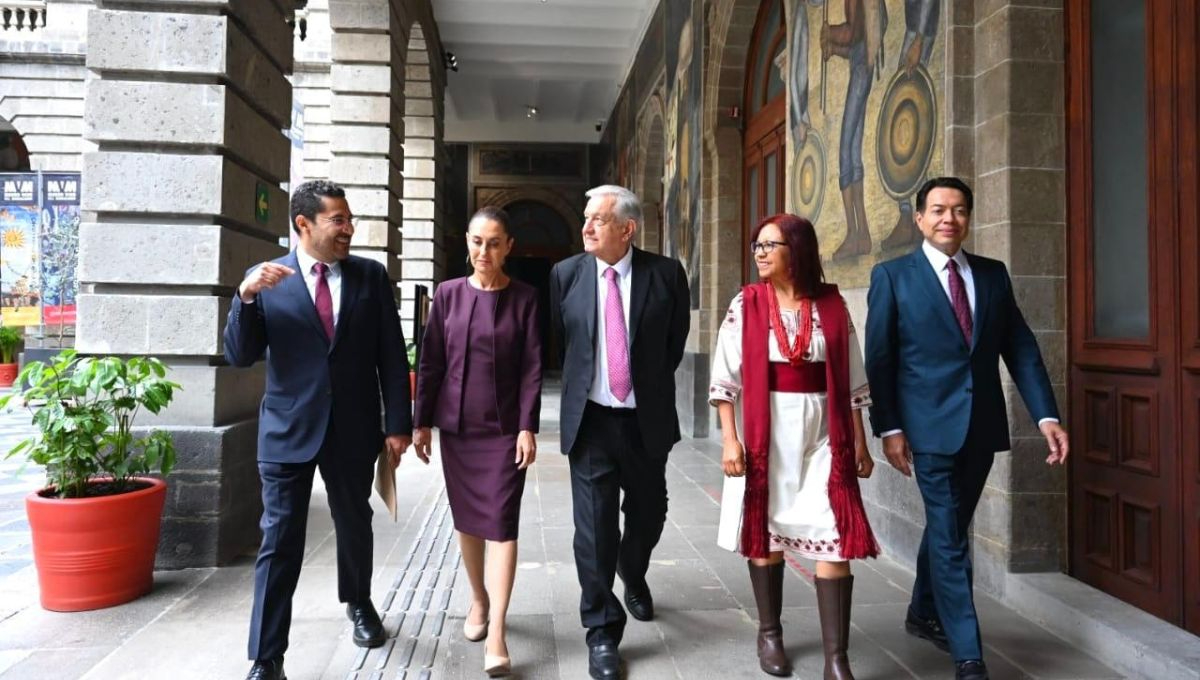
[367, 125]
[424, 251]
[184, 189]
[1020, 218]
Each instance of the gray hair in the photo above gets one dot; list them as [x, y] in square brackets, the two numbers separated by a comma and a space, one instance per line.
[628, 205]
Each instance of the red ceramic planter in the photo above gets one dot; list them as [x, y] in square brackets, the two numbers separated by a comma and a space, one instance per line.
[8, 374]
[99, 552]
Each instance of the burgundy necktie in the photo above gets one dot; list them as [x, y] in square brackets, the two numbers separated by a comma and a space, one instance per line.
[958, 298]
[324, 299]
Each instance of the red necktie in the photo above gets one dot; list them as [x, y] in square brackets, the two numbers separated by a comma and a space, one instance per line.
[324, 299]
[958, 298]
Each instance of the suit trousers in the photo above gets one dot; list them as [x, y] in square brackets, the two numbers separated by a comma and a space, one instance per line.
[608, 458]
[286, 489]
[950, 487]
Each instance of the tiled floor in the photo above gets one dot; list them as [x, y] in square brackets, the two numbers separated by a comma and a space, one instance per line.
[193, 626]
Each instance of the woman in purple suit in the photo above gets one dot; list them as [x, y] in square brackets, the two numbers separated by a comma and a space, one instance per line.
[480, 384]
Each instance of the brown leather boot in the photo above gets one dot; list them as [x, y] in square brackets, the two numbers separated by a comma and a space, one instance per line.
[833, 604]
[768, 595]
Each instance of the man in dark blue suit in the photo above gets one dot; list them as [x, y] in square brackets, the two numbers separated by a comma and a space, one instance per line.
[327, 323]
[938, 322]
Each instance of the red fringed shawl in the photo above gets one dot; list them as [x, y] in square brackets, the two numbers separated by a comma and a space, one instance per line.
[854, 531]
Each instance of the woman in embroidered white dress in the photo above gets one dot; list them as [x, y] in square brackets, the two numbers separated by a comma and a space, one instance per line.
[788, 378]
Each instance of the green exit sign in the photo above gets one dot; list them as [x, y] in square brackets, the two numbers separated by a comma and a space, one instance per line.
[262, 203]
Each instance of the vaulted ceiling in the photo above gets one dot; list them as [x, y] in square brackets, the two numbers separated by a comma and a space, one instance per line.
[566, 58]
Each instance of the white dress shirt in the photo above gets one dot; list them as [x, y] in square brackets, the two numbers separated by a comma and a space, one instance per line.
[941, 266]
[601, 394]
[333, 276]
[940, 263]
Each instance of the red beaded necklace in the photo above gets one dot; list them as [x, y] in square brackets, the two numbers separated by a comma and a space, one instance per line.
[796, 351]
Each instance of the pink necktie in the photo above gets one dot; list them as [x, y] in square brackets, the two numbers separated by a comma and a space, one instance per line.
[619, 381]
[958, 298]
[324, 299]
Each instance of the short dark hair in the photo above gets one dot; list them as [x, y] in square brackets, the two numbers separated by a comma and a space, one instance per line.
[494, 214]
[804, 252]
[306, 199]
[945, 183]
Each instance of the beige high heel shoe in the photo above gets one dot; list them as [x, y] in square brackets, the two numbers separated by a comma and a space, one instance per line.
[496, 666]
[473, 631]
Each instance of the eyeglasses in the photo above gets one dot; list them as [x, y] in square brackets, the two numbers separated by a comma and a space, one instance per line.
[340, 222]
[767, 247]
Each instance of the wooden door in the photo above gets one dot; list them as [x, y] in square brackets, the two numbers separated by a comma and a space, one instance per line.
[1132, 258]
[765, 141]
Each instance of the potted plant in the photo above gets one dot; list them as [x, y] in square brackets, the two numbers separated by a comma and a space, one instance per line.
[95, 525]
[10, 337]
[411, 349]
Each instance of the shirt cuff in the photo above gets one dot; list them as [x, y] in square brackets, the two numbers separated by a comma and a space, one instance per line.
[890, 433]
[1047, 420]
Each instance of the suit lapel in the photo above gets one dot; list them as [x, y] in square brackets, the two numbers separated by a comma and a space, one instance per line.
[350, 284]
[639, 288]
[295, 287]
[982, 299]
[934, 291]
[582, 295]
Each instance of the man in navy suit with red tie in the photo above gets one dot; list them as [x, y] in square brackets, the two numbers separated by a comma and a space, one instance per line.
[328, 326]
[938, 322]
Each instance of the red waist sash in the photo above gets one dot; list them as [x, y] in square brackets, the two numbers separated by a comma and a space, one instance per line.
[806, 378]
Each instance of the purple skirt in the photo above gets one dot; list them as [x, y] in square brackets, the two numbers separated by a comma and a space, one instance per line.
[483, 484]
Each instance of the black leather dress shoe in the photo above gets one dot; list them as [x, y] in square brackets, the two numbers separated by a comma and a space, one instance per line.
[927, 629]
[604, 662]
[267, 669]
[970, 670]
[639, 603]
[368, 629]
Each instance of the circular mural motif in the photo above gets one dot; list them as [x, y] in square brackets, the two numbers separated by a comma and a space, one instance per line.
[907, 128]
[808, 172]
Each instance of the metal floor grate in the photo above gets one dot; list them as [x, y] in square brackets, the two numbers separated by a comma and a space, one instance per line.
[414, 609]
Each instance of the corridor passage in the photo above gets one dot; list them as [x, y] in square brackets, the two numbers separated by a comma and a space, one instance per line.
[193, 626]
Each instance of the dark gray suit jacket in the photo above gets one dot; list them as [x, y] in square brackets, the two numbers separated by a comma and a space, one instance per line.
[659, 316]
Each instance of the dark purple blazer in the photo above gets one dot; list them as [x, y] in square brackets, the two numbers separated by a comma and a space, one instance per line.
[517, 350]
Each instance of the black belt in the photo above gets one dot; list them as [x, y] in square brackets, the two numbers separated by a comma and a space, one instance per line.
[610, 411]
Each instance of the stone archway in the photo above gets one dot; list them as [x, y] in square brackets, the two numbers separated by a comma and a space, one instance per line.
[14, 155]
[731, 25]
[366, 109]
[423, 252]
[648, 178]
[505, 196]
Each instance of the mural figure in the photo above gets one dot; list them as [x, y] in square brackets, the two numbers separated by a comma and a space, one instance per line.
[682, 164]
[859, 40]
[920, 33]
[808, 169]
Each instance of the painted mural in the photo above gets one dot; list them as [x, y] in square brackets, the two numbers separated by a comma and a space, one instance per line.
[683, 62]
[864, 124]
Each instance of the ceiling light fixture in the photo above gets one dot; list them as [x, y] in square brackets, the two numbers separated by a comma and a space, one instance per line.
[450, 61]
[531, 112]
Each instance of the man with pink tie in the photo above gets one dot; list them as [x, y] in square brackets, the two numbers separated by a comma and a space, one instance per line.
[623, 316]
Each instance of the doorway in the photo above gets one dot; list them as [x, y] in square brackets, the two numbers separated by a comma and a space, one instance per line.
[1134, 292]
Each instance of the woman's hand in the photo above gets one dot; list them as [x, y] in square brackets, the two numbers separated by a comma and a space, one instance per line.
[422, 440]
[526, 449]
[863, 463]
[733, 458]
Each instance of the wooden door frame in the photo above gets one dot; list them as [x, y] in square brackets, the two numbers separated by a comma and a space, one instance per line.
[1104, 371]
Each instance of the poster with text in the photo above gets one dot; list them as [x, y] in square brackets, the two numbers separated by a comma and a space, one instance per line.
[59, 247]
[19, 279]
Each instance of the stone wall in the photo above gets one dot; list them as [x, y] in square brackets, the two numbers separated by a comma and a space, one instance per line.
[189, 135]
[1002, 131]
[42, 78]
